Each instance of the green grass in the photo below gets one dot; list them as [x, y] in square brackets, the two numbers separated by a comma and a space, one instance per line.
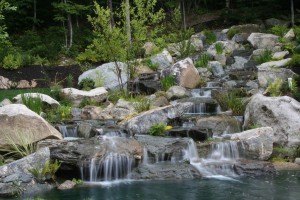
[11, 93]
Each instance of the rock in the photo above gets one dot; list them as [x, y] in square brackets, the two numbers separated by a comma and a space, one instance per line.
[90, 112]
[254, 168]
[238, 64]
[248, 28]
[8, 190]
[263, 40]
[204, 73]
[221, 58]
[229, 47]
[185, 73]
[276, 64]
[297, 161]
[160, 101]
[280, 55]
[45, 98]
[246, 53]
[106, 73]
[141, 123]
[5, 83]
[290, 35]
[252, 85]
[280, 113]
[217, 68]
[270, 74]
[230, 84]
[163, 59]
[149, 48]
[76, 96]
[177, 92]
[18, 119]
[66, 185]
[5, 102]
[196, 43]
[85, 130]
[255, 143]
[273, 22]
[240, 38]
[219, 124]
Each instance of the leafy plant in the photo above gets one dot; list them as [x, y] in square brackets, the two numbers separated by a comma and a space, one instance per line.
[202, 61]
[210, 36]
[219, 48]
[99, 79]
[12, 61]
[87, 84]
[46, 172]
[69, 80]
[62, 112]
[274, 87]
[167, 82]
[231, 101]
[295, 61]
[158, 129]
[266, 56]
[116, 94]
[279, 30]
[86, 101]
[231, 32]
[150, 64]
[77, 181]
[141, 104]
[34, 103]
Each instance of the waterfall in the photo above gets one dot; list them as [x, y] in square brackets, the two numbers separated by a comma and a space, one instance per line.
[68, 131]
[220, 161]
[145, 156]
[113, 167]
[201, 92]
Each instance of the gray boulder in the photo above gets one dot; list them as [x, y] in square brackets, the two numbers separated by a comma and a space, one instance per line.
[45, 98]
[274, 64]
[107, 75]
[163, 59]
[5, 102]
[290, 35]
[263, 40]
[238, 64]
[217, 68]
[177, 92]
[280, 113]
[255, 143]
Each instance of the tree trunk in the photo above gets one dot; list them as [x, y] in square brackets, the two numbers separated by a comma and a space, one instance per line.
[183, 15]
[34, 14]
[112, 20]
[70, 26]
[128, 27]
[292, 13]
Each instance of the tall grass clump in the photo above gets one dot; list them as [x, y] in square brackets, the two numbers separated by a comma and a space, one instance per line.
[231, 32]
[266, 56]
[47, 172]
[219, 48]
[167, 82]
[158, 129]
[202, 61]
[230, 100]
[34, 103]
[279, 30]
[141, 104]
[210, 36]
[274, 88]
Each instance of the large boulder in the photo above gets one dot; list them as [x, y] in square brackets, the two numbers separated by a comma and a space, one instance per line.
[107, 73]
[255, 143]
[177, 92]
[163, 59]
[45, 98]
[185, 73]
[217, 68]
[229, 47]
[238, 64]
[247, 28]
[76, 96]
[17, 119]
[276, 64]
[263, 40]
[280, 113]
[141, 123]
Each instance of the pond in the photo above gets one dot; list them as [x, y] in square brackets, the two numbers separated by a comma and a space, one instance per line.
[283, 185]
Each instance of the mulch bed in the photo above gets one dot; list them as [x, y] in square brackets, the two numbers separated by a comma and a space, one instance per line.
[43, 75]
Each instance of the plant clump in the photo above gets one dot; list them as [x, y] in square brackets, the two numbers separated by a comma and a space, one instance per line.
[46, 172]
[266, 56]
[158, 129]
[202, 61]
[167, 82]
[86, 84]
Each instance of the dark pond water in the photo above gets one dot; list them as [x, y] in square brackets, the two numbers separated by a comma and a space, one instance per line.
[284, 185]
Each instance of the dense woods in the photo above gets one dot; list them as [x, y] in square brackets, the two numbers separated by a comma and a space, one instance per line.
[45, 32]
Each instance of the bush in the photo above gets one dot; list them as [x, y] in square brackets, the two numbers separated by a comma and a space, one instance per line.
[231, 32]
[47, 172]
[202, 61]
[210, 36]
[116, 94]
[158, 129]
[87, 84]
[33, 103]
[295, 62]
[148, 62]
[219, 48]
[274, 87]
[141, 104]
[279, 30]
[12, 61]
[266, 56]
[167, 82]
[231, 101]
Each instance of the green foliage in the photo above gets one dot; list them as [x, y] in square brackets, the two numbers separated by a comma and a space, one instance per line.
[115, 95]
[202, 61]
[266, 56]
[20, 144]
[12, 61]
[86, 101]
[77, 181]
[62, 112]
[99, 79]
[86, 84]
[297, 33]
[231, 32]
[279, 30]
[141, 104]
[219, 48]
[274, 87]
[69, 80]
[185, 46]
[158, 129]
[4, 6]
[46, 172]
[167, 82]
[231, 101]
[295, 62]
[150, 64]
[210, 36]
[34, 103]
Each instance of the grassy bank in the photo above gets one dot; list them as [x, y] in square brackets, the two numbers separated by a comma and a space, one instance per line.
[9, 94]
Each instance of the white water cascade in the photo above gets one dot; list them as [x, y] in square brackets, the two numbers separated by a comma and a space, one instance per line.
[219, 163]
[68, 131]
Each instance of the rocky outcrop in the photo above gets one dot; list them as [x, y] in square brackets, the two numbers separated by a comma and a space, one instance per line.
[5, 102]
[266, 75]
[45, 98]
[66, 185]
[263, 40]
[274, 64]
[107, 75]
[185, 73]
[177, 92]
[76, 96]
[16, 119]
[217, 68]
[280, 113]
[163, 59]
[254, 168]
[141, 123]
[255, 144]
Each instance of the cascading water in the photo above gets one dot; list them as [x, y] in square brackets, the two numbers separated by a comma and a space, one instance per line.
[68, 131]
[201, 93]
[220, 161]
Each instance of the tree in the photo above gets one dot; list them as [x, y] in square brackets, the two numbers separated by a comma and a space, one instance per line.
[292, 13]
[4, 6]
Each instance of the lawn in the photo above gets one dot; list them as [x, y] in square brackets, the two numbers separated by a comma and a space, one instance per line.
[9, 94]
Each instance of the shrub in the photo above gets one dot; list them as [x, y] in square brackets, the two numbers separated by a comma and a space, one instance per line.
[231, 32]
[274, 87]
[141, 104]
[12, 61]
[202, 61]
[99, 79]
[148, 62]
[167, 82]
[47, 172]
[158, 129]
[86, 101]
[266, 56]
[33, 103]
[231, 101]
[295, 61]
[279, 30]
[210, 36]
[77, 181]
[87, 84]
[219, 48]
[116, 94]
[64, 112]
